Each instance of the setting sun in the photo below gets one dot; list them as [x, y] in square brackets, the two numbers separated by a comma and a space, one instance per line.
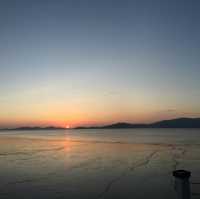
[67, 126]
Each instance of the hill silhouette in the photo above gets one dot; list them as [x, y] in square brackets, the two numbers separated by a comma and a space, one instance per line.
[34, 128]
[173, 123]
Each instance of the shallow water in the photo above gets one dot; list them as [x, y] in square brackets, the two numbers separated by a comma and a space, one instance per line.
[80, 164]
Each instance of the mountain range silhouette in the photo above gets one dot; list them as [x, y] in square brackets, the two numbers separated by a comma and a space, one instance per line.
[173, 123]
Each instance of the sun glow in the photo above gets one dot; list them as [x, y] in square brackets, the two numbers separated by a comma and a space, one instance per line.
[67, 127]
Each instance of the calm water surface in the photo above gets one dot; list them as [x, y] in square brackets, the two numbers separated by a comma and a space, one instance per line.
[84, 164]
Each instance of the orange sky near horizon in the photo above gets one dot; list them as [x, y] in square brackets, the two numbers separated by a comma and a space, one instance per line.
[87, 108]
[63, 118]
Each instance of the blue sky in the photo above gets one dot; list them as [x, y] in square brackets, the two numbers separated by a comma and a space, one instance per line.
[84, 62]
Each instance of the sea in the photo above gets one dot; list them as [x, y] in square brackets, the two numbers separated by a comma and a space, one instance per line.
[97, 164]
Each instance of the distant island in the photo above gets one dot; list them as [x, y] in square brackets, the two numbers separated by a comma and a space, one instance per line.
[173, 123]
[34, 128]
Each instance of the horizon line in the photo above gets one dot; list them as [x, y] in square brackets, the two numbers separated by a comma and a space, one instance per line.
[91, 126]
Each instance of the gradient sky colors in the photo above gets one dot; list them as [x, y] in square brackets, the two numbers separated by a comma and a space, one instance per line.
[96, 62]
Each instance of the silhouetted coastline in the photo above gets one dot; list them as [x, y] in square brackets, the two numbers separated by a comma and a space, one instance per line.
[173, 123]
[35, 128]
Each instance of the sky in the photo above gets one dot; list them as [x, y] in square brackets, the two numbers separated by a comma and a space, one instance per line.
[75, 62]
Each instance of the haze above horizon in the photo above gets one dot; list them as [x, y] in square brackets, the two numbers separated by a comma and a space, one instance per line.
[97, 62]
